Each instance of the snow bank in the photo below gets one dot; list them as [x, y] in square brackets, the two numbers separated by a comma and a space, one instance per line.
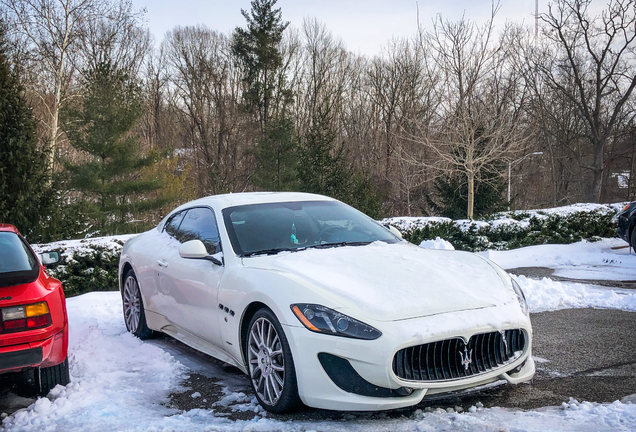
[116, 380]
[549, 295]
[582, 260]
[438, 243]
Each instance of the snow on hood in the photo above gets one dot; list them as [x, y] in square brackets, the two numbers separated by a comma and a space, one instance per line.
[389, 282]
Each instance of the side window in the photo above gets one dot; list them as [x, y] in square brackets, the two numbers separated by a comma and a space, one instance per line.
[200, 223]
[173, 224]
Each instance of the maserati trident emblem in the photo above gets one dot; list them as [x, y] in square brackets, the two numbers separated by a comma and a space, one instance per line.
[467, 357]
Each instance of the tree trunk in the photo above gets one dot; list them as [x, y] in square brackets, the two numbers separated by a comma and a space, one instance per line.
[471, 194]
[56, 111]
[53, 141]
[594, 194]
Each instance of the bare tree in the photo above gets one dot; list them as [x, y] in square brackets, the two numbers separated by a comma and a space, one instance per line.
[204, 83]
[51, 30]
[120, 37]
[400, 90]
[591, 63]
[479, 116]
[326, 73]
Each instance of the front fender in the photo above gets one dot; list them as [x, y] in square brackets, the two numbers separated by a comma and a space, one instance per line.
[276, 290]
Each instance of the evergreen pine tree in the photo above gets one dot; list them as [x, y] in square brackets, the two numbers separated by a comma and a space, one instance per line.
[25, 184]
[323, 169]
[257, 49]
[108, 176]
[276, 155]
[452, 196]
[322, 165]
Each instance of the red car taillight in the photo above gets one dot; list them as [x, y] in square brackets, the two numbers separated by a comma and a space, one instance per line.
[26, 317]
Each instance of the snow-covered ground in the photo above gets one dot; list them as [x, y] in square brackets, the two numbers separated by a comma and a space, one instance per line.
[122, 383]
[582, 260]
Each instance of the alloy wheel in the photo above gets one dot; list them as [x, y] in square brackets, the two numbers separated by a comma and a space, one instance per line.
[266, 361]
[132, 302]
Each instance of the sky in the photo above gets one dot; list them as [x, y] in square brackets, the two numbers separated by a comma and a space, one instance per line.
[365, 26]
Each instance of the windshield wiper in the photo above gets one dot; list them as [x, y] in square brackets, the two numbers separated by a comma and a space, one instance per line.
[339, 244]
[271, 251]
[318, 246]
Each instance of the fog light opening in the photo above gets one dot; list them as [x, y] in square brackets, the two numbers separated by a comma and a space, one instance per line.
[404, 391]
[518, 368]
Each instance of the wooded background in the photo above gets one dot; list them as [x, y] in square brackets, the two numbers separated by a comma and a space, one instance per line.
[129, 127]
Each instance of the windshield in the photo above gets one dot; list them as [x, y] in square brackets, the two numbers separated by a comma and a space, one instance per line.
[290, 226]
[17, 263]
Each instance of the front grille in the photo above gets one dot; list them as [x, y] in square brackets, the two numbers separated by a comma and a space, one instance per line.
[452, 358]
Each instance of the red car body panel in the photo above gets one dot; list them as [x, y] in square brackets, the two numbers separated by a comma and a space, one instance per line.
[17, 350]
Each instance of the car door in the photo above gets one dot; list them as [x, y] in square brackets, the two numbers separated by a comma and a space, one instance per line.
[191, 285]
[164, 251]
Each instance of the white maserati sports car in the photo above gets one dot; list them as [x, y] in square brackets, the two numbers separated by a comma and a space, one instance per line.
[320, 305]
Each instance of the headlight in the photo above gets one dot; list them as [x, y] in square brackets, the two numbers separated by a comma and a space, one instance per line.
[321, 319]
[520, 296]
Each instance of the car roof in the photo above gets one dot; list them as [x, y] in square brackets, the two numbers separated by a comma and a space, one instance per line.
[243, 198]
[8, 227]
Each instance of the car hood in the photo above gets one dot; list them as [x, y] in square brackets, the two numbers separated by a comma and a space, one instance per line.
[389, 282]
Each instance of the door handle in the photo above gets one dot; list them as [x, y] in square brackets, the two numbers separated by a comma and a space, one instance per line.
[162, 263]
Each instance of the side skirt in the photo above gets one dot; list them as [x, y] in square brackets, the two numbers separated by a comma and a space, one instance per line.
[201, 345]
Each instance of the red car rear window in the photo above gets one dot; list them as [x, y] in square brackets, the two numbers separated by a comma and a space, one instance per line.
[17, 263]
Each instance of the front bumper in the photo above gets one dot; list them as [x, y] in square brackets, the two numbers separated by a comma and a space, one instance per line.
[372, 364]
[623, 227]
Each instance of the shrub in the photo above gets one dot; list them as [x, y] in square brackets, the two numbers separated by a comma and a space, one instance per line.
[87, 265]
[509, 230]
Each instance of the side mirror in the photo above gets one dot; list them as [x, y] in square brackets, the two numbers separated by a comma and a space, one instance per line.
[395, 231]
[195, 249]
[50, 258]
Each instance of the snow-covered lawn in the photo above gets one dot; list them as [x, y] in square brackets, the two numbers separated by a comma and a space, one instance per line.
[120, 383]
[582, 260]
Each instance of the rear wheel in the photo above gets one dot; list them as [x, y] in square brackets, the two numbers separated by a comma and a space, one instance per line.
[134, 313]
[47, 378]
[270, 364]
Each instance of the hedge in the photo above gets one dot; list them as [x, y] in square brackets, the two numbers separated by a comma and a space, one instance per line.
[87, 265]
[510, 230]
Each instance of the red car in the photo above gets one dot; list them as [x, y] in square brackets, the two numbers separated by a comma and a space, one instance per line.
[33, 319]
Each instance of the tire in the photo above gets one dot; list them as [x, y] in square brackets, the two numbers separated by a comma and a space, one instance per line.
[134, 312]
[270, 364]
[47, 378]
[633, 239]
